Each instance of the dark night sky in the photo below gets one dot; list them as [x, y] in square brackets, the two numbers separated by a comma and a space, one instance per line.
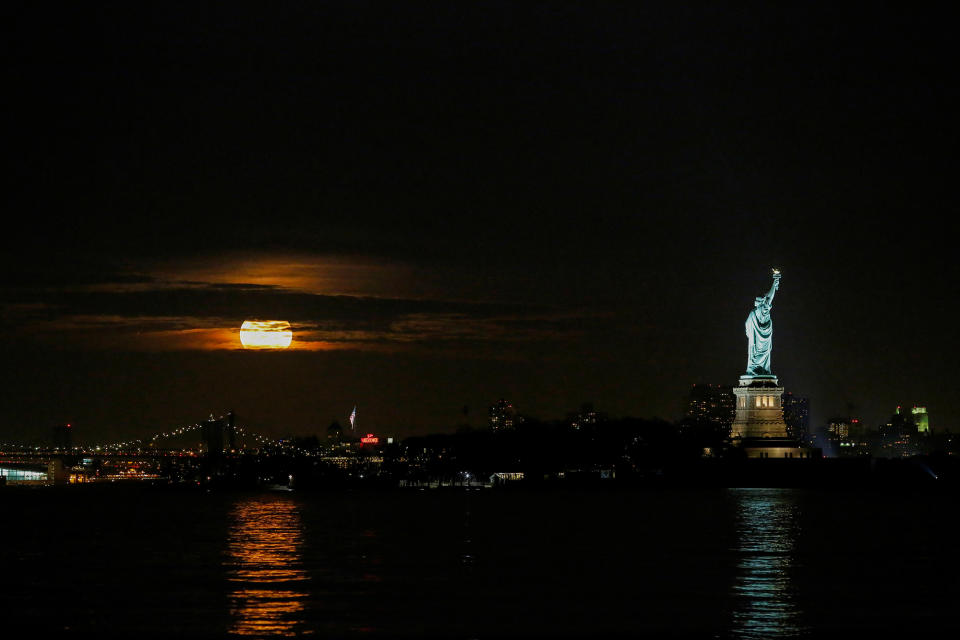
[553, 203]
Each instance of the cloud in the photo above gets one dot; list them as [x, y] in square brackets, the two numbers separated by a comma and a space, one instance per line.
[200, 306]
[360, 324]
[295, 272]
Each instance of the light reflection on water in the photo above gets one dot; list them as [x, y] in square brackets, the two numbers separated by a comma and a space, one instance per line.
[265, 565]
[764, 597]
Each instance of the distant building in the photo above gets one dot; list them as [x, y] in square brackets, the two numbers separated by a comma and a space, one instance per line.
[334, 432]
[712, 404]
[849, 437]
[796, 413]
[838, 432]
[921, 419]
[899, 436]
[586, 417]
[63, 436]
[502, 415]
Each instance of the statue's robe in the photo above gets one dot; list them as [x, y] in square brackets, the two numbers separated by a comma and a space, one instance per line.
[759, 327]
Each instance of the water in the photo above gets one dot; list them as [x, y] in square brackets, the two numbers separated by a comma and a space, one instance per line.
[269, 583]
[767, 529]
[739, 563]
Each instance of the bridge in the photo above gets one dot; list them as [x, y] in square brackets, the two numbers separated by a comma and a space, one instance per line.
[208, 446]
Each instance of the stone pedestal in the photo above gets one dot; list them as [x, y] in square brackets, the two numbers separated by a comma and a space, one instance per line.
[759, 428]
[759, 409]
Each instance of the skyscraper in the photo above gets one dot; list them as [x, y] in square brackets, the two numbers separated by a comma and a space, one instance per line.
[586, 417]
[63, 436]
[712, 404]
[899, 436]
[502, 415]
[921, 419]
[838, 430]
[796, 413]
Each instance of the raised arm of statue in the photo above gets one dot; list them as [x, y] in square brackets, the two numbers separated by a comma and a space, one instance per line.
[773, 287]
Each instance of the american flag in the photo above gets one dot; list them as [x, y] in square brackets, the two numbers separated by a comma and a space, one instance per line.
[353, 417]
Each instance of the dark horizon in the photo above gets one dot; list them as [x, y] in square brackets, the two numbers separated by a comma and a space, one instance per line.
[550, 203]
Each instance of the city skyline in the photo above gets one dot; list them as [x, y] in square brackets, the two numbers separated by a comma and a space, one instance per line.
[455, 205]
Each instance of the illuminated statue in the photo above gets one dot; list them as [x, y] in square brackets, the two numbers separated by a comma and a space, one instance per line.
[759, 328]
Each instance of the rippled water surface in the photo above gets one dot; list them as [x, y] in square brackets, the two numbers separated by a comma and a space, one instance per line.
[739, 563]
[765, 598]
[264, 563]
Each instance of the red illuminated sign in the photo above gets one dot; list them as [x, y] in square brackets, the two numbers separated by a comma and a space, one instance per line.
[370, 439]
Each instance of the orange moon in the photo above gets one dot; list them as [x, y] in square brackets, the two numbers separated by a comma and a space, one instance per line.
[265, 334]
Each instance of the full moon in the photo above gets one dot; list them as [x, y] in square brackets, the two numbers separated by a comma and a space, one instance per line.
[265, 334]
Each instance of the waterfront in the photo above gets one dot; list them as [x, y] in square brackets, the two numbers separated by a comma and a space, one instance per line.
[740, 563]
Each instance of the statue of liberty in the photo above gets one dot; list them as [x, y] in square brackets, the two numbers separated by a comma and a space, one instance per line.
[759, 327]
